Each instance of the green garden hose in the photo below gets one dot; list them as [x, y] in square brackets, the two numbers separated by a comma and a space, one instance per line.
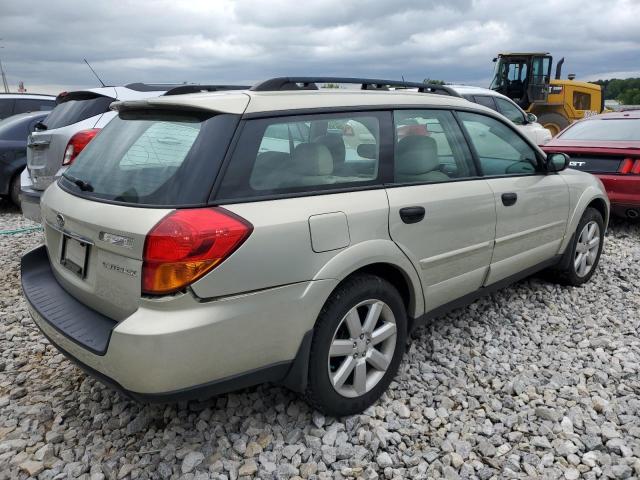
[21, 230]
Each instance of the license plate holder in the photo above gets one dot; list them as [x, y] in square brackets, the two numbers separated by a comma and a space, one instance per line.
[74, 255]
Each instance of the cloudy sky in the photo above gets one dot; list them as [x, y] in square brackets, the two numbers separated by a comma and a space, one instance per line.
[248, 40]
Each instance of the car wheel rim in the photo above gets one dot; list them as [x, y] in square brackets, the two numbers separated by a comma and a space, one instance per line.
[362, 348]
[587, 249]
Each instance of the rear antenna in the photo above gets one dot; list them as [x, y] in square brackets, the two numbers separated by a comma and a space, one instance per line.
[94, 72]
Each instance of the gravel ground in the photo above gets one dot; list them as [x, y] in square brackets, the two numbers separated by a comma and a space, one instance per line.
[535, 381]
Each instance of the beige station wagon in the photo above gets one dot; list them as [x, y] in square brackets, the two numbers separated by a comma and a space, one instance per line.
[209, 242]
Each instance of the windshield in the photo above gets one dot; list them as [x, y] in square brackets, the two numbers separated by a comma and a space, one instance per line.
[77, 108]
[153, 158]
[614, 130]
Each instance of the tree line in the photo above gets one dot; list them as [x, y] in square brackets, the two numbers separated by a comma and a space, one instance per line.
[626, 91]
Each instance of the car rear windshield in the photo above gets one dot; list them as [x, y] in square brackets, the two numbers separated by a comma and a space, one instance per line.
[77, 107]
[627, 129]
[163, 159]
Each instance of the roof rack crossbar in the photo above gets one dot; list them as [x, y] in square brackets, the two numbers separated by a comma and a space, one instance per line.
[311, 83]
[182, 89]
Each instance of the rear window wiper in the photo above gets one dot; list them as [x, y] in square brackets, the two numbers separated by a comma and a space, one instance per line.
[81, 184]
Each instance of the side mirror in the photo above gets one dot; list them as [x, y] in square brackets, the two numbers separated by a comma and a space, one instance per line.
[367, 150]
[531, 118]
[556, 162]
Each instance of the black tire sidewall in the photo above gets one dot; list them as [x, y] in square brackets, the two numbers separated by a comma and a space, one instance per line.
[14, 189]
[320, 391]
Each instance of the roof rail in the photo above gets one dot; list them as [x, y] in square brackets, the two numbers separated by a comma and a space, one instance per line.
[182, 89]
[310, 83]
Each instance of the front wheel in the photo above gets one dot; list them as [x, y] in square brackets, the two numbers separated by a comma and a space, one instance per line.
[581, 258]
[14, 190]
[357, 346]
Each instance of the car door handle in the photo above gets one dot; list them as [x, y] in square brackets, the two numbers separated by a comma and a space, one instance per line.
[412, 214]
[509, 199]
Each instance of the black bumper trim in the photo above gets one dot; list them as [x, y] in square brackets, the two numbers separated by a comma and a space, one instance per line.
[77, 322]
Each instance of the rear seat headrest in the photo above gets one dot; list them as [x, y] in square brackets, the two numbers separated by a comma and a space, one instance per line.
[335, 144]
[312, 159]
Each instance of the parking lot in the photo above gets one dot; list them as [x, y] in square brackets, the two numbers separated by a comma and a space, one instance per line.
[537, 380]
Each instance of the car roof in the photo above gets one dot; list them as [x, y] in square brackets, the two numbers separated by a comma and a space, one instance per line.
[472, 90]
[248, 101]
[28, 115]
[27, 95]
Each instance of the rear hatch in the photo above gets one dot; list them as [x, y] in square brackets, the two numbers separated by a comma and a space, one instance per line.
[596, 159]
[74, 111]
[142, 166]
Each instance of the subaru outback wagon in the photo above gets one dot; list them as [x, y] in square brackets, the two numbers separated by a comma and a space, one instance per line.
[208, 242]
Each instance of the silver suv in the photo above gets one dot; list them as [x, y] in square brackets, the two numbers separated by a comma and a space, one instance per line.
[207, 242]
[77, 118]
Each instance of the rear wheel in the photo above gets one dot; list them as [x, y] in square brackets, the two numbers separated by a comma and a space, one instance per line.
[554, 122]
[357, 346]
[14, 190]
[583, 253]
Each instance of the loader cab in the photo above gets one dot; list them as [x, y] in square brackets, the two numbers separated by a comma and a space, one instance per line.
[523, 77]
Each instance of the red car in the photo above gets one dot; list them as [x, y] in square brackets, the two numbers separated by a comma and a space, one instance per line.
[608, 146]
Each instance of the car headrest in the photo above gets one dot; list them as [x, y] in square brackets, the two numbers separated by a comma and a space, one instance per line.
[312, 159]
[416, 154]
[335, 144]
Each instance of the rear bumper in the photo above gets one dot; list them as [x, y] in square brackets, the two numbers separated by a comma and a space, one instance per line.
[180, 348]
[30, 201]
[623, 192]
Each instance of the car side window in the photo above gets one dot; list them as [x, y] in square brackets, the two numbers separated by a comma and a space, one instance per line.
[307, 152]
[500, 149]
[486, 101]
[430, 147]
[6, 107]
[510, 111]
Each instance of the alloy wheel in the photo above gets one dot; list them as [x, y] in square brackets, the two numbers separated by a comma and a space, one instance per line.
[587, 249]
[362, 348]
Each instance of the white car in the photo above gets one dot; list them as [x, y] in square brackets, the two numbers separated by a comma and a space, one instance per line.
[527, 123]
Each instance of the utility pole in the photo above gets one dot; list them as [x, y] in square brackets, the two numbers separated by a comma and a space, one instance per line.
[4, 77]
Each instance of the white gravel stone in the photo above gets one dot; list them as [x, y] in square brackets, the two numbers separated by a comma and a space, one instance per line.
[538, 380]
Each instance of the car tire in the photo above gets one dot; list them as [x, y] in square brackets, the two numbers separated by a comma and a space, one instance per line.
[363, 326]
[580, 260]
[14, 190]
[554, 122]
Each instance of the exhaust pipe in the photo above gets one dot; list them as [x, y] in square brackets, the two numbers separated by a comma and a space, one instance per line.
[633, 213]
[559, 68]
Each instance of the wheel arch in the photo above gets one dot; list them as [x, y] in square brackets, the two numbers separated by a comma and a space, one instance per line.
[384, 259]
[591, 197]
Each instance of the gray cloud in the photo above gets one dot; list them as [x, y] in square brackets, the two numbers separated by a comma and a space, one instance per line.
[247, 40]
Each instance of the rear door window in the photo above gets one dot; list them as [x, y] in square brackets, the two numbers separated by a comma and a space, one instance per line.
[77, 108]
[153, 158]
[33, 105]
[303, 153]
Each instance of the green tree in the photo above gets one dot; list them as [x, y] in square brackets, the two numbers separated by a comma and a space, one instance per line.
[433, 82]
[630, 97]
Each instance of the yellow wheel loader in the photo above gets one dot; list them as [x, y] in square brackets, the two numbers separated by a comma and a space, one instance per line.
[526, 79]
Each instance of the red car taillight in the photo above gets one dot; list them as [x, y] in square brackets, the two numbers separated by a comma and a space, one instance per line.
[186, 244]
[77, 144]
[636, 167]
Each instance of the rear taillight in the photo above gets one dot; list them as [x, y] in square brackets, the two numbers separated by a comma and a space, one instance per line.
[186, 244]
[636, 167]
[77, 144]
[626, 166]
